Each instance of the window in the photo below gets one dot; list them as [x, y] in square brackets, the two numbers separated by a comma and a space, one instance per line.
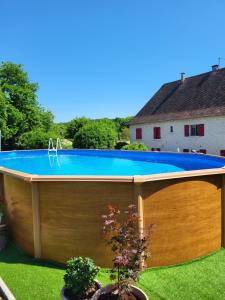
[171, 128]
[204, 151]
[138, 133]
[186, 150]
[194, 130]
[222, 152]
[156, 133]
[155, 149]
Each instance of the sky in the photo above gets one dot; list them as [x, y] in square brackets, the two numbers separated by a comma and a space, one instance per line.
[106, 58]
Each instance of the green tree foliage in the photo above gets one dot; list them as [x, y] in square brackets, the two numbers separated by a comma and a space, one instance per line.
[59, 129]
[123, 128]
[118, 125]
[136, 146]
[74, 126]
[46, 120]
[35, 139]
[19, 109]
[95, 135]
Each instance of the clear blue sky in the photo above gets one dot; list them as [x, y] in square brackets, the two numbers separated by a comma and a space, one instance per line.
[106, 58]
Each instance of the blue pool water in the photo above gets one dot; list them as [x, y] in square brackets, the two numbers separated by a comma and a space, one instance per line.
[104, 162]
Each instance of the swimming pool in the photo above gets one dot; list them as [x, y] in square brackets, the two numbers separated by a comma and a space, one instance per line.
[108, 163]
[54, 203]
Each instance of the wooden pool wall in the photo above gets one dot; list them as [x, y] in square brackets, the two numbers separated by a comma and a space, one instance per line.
[56, 218]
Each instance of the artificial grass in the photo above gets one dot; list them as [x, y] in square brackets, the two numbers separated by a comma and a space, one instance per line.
[30, 279]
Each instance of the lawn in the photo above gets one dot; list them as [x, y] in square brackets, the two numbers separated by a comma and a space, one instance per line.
[30, 279]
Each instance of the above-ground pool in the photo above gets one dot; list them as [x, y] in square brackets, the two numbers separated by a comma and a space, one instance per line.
[54, 202]
[105, 163]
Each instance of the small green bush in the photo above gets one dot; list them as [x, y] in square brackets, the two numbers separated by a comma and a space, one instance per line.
[136, 146]
[80, 275]
[36, 139]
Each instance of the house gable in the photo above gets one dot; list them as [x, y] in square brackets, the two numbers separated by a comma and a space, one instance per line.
[195, 97]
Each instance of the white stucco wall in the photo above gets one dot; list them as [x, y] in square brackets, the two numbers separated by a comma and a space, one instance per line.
[213, 140]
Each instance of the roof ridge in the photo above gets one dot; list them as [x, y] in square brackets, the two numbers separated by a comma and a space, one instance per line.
[198, 75]
[199, 95]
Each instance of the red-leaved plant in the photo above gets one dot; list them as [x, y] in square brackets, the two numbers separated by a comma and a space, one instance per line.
[130, 246]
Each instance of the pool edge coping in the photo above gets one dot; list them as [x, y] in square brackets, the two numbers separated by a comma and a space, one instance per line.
[135, 179]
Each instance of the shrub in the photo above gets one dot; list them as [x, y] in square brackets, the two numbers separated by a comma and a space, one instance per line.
[95, 135]
[74, 126]
[80, 275]
[36, 139]
[136, 146]
[130, 248]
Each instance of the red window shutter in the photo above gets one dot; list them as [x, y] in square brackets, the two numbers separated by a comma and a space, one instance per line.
[186, 130]
[138, 133]
[156, 133]
[222, 152]
[159, 133]
[200, 129]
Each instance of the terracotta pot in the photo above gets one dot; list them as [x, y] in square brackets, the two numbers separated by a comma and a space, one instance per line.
[107, 289]
[2, 236]
[63, 297]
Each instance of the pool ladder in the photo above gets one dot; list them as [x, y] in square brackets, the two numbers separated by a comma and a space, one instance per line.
[54, 150]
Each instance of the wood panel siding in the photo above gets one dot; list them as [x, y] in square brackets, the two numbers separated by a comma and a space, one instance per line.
[18, 197]
[70, 214]
[187, 215]
[223, 213]
[1, 187]
[186, 212]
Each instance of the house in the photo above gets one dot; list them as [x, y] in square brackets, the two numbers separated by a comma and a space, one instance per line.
[185, 115]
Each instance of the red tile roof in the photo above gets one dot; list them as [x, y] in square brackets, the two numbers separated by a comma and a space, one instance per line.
[198, 96]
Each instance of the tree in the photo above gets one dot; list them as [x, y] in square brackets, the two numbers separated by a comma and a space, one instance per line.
[59, 129]
[36, 139]
[74, 126]
[20, 111]
[46, 120]
[95, 135]
[123, 128]
[11, 122]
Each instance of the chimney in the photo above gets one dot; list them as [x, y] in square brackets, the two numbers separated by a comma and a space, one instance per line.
[182, 77]
[215, 67]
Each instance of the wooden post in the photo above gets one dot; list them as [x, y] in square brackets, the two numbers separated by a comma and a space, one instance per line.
[36, 219]
[139, 201]
[140, 208]
[1, 187]
[223, 212]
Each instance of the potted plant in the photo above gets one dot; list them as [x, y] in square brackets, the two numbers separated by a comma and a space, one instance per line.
[79, 279]
[2, 228]
[130, 248]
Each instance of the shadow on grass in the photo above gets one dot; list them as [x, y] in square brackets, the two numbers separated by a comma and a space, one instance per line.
[14, 255]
